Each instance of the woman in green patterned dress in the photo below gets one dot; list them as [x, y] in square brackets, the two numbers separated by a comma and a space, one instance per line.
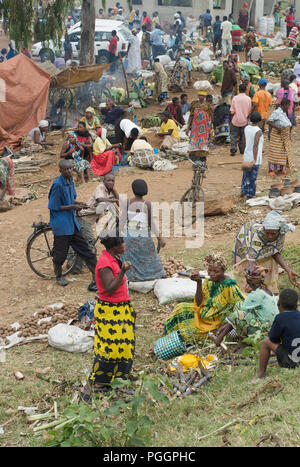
[256, 313]
[214, 300]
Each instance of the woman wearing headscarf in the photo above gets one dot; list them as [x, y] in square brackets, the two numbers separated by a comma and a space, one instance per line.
[253, 315]
[279, 152]
[90, 119]
[244, 16]
[105, 155]
[199, 124]
[161, 82]
[73, 150]
[39, 134]
[114, 341]
[140, 248]
[215, 299]
[181, 75]
[262, 245]
[287, 92]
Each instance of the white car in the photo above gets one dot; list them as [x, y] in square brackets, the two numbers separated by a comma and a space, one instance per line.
[103, 29]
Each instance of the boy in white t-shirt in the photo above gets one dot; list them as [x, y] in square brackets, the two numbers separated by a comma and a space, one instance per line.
[254, 141]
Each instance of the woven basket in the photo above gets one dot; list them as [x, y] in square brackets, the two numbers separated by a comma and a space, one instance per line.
[169, 346]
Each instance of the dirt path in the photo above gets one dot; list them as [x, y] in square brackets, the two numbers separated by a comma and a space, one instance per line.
[22, 292]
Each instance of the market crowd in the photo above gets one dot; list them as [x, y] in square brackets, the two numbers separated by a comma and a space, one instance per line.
[243, 116]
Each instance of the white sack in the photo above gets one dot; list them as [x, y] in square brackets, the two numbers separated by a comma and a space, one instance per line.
[174, 289]
[70, 338]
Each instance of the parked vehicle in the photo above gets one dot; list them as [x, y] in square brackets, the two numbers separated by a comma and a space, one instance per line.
[103, 29]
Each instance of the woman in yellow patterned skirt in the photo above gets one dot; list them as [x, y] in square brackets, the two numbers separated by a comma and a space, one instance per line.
[214, 300]
[115, 320]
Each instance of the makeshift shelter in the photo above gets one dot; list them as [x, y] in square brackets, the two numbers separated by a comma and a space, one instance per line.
[24, 88]
[76, 76]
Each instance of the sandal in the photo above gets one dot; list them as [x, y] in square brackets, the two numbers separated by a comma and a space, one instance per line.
[85, 397]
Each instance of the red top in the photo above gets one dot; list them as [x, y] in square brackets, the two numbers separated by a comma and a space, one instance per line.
[289, 19]
[147, 21]
[106, 260]
[113, 45]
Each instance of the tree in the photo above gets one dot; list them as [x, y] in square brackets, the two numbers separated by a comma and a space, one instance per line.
[88, 20]
[20, 20]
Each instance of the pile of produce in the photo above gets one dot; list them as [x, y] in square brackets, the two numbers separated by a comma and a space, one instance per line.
[171, 266]
[37, 324]
[276, 68]
[252, 70]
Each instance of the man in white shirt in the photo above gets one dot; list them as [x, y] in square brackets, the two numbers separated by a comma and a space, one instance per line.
[226, 28]
[255, 55]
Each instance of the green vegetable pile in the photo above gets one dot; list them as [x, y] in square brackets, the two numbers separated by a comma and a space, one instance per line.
[252, 70]
[276, 68]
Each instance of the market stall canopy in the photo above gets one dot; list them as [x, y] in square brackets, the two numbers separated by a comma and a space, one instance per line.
[24, 89]
[78, 75]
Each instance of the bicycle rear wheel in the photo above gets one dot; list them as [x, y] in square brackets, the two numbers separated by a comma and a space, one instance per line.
[39, 254]
[192, 197]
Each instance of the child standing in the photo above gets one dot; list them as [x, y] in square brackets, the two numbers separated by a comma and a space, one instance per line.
[252, 155]
[284, 335]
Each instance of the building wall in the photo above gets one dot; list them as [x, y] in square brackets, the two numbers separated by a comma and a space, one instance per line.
[166, 12]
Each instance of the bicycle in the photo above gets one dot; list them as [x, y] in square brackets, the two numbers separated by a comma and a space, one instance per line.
[195, 194]
[39, 252]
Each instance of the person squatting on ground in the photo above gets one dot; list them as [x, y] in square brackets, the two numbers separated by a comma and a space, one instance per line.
[284, 335]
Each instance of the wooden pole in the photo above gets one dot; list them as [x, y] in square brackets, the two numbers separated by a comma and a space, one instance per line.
[125, 77]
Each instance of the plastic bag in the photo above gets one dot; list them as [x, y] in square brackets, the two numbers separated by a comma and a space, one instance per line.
[174, 289]
[188, 361]
[164, 164]
[70, 338]
[208, 66]
[203, 86]
[164, 59]
[142, 287]
[205, 54]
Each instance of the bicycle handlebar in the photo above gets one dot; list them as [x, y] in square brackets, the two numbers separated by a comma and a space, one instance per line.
[40, 225]
[200, 163]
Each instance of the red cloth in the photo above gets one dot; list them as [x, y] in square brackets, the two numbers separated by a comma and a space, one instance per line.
[289, 19]
[113, 45]
[236, 36]
[146, 21]
[24, 90]
[102, 163]
[106, 260]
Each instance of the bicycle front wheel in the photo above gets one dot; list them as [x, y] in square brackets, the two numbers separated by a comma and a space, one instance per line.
[39, 254]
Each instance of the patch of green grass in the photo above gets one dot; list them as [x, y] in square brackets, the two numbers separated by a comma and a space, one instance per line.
[270, 412]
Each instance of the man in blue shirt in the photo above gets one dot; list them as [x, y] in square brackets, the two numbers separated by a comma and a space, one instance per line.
[207, 19]
[156, 41]
[217, 40]
[284, 335]
[65, 226]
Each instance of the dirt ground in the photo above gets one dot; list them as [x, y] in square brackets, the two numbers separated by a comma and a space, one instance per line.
[22, 292]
